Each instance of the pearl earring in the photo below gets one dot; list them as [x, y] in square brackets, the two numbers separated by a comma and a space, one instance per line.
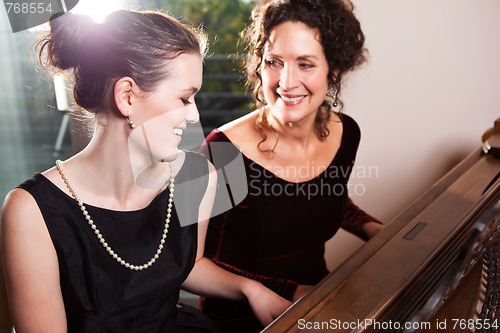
[130, 122]
[335, 103]
[332, 95]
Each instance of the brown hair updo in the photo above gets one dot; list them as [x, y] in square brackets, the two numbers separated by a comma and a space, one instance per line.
[339, 32]
[128, 43]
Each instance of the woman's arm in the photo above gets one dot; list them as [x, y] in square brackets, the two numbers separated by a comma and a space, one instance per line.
[283, 287]
[31, 267]
[358, 222]
[208, 279]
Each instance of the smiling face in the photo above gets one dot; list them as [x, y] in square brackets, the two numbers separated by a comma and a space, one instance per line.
[294, 73]
[161, 116]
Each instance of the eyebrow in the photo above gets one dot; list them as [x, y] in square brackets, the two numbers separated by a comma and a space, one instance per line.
[301, 57]
[307, 56]
[192, 90]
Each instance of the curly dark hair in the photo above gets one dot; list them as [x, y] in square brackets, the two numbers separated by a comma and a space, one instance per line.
[340, 35]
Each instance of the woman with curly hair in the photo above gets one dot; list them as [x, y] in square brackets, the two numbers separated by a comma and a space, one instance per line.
[298, 150]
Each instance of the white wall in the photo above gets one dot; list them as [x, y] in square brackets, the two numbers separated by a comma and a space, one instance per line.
[430, 89]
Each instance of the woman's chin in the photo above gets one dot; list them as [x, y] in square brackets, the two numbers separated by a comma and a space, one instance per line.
[169, 157]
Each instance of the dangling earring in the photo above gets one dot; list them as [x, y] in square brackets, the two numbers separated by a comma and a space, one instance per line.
[130, 122]
[334, 102]
[332, 96]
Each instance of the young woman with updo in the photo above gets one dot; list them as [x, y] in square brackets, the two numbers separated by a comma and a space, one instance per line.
[96, 243]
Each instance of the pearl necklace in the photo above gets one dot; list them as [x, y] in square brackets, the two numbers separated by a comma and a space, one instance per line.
[98, 233]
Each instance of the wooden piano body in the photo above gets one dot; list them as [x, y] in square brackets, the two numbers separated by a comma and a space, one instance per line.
[406, 276]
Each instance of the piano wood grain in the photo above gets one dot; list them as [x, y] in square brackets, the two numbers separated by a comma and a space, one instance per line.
[394, 274]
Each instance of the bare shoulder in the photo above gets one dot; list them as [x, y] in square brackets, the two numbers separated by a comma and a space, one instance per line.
[335, 121]
[241, 130]
[30, 265]
[245, 123]
[21, 218]
[19, 203]
[335, 117]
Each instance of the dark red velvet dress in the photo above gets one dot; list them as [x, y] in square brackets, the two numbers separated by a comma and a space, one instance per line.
[277, 234]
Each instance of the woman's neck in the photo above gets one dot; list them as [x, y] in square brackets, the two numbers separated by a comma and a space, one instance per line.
[299, 134]
[118, 171]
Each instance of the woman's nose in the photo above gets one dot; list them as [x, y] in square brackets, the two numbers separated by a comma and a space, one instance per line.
[192, 115]
[288, 78]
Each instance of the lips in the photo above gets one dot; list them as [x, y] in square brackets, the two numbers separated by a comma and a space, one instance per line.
[291, 100]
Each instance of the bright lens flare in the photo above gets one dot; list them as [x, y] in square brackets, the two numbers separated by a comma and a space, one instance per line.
[97, 9]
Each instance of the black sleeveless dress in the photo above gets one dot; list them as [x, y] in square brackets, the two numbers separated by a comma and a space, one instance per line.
[100, 295]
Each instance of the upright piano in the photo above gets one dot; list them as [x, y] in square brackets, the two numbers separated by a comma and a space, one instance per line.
[433, 268]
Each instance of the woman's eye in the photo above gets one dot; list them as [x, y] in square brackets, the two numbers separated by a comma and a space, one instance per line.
[306, 65]
[271, 63]
[185, 101]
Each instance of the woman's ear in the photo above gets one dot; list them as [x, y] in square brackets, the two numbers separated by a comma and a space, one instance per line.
[124, 95]
[335, 74]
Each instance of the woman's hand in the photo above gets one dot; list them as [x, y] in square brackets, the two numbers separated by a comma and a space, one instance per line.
[301, 290]
[265, 304]
[372, 228]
